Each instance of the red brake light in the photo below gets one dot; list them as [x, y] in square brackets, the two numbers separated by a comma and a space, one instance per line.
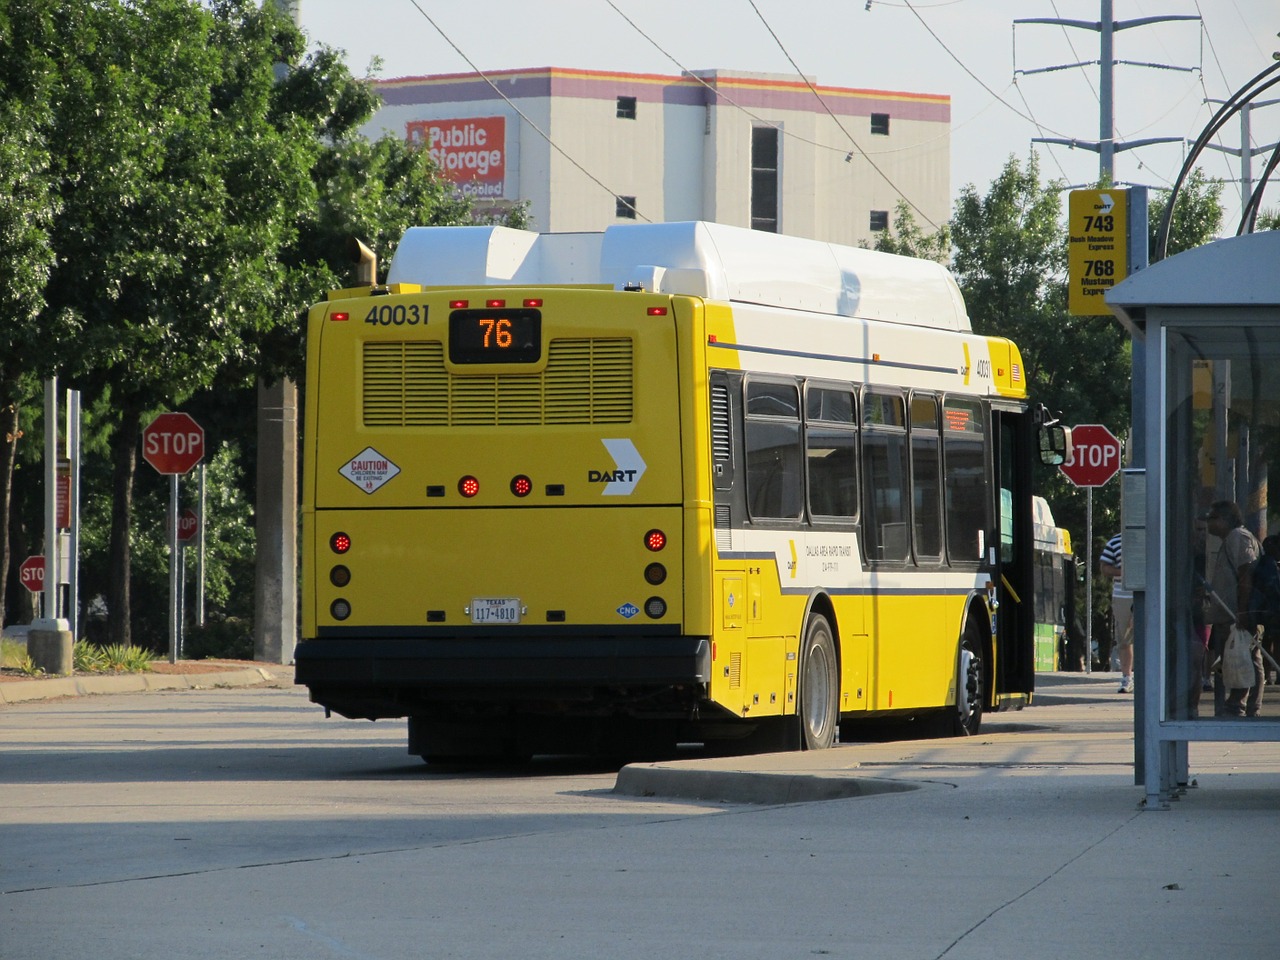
[458, 304]
[521, 485]
[340, 315]
[657, 311]
[655, 540]
[468, 486]
[495, 303]
[533, 302]
[339, 543]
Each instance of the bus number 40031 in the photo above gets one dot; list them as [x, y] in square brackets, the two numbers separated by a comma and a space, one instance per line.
[386, 315]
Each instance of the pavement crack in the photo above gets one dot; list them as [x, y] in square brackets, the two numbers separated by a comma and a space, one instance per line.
[1042, 881]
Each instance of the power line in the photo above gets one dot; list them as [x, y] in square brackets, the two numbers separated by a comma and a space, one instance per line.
[850, 137]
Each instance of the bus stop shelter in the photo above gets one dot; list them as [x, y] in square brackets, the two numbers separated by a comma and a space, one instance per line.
[1206, 427]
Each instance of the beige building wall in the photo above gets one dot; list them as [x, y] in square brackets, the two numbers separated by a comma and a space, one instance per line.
[682, 146]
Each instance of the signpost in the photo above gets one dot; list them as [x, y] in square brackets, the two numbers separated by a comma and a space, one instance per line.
[1094, 460]
[1097, 248]
[173, 443]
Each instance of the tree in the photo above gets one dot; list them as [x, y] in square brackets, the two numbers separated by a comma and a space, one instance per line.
[1197, 214]
[178, 186]
[909, 240]
[27, 207]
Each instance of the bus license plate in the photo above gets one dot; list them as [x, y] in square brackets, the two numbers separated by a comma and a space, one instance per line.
[495, 610]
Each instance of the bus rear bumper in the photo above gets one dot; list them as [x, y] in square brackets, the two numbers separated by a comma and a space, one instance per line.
[377, 677]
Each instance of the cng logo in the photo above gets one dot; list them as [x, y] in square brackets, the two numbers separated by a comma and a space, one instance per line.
[628, 610]
[628, 468]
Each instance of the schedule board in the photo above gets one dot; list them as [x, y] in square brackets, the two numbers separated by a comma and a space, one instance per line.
[1098, 248]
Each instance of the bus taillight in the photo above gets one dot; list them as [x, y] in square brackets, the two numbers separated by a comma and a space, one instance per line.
[339, 543]
[533, 302]
[492, 304]
[521, 485]
[459, 304]
[655, 540]
[468, 486]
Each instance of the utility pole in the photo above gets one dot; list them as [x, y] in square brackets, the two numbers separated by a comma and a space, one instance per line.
[1106, 27]
[1245, 152]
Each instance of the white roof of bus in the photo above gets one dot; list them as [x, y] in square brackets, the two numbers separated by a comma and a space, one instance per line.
[695, 258]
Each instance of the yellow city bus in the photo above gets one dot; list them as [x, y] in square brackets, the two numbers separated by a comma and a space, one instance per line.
[667, 482]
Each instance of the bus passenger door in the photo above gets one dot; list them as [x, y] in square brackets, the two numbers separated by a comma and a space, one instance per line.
[1014, 572]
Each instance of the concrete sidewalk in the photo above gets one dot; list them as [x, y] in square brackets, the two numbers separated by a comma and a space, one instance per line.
[1078, 725]
[22, 691]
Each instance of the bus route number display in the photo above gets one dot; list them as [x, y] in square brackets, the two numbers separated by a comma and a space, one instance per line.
[1098, 248]
[495, 336]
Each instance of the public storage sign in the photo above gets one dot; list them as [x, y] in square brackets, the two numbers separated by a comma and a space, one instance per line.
[470, 152]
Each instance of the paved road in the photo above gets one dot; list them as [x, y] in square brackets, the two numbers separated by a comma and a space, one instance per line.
[240, 823]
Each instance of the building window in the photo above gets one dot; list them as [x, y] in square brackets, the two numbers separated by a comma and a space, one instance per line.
[627, 110]
[879, 124]
[879, 220]
[625, 208]
[764, 179]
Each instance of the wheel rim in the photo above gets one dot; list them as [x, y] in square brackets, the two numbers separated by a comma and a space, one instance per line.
[970, 704]
[817, 690]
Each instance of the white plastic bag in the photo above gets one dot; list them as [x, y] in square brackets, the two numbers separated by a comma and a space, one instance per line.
[1237, 660]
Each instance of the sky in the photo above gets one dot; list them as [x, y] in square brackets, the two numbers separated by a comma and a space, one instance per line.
[968, 49]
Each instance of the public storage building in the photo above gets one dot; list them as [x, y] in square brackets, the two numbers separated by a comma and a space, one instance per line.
[776, 153]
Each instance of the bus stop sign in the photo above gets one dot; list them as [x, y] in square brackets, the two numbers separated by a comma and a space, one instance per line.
[1095, 456]
[173, 443]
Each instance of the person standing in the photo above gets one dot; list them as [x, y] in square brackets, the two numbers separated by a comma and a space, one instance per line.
[1231, 579]
[1111, 564]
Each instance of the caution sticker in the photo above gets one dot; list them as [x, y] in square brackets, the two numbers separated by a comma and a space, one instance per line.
[369, 470]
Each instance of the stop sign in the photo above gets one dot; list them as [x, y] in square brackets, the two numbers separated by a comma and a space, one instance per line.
[31, 573]
[188, 525]
[1095, 456]
[173, 443]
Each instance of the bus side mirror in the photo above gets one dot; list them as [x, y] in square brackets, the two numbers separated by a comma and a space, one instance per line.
[1055, 444]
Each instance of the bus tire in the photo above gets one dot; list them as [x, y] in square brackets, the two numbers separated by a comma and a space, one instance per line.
[971, 687]
[817, 702]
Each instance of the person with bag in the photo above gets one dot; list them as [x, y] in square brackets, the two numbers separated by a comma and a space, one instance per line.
[1231, 584]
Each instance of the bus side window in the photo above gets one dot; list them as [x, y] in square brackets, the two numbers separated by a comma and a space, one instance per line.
[775, 476]
[964, 452]
[831, 449]
[885, 481]
[926, 477]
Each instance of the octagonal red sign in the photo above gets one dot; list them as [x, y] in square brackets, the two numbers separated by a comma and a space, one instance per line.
[173, 443]
[1095, 455]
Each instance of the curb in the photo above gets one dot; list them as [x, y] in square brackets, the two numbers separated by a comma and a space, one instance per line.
[127, 683]
[747, 786]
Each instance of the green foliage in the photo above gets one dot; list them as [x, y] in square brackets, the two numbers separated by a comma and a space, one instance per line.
[909, 240]
[1197, 215]
[117, 658]
[87, 658]
[222, 638]
[12, 652]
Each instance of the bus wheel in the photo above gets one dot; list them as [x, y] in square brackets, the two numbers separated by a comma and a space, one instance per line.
[971, 689]
[819, 686]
